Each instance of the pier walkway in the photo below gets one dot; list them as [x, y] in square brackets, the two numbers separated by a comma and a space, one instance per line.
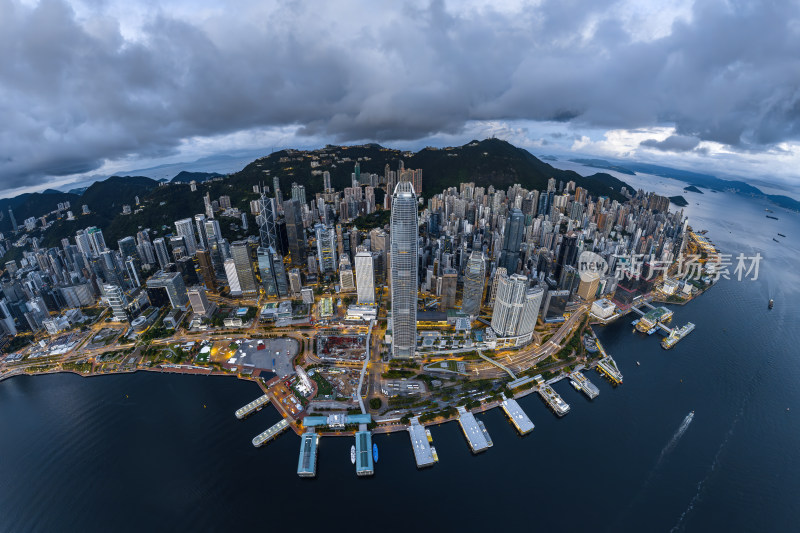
[251, 407]
[271, 433]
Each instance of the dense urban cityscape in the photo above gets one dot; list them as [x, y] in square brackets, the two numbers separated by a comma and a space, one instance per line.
[447, 306]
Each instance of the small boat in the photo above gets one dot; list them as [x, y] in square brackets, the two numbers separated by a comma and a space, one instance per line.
[353, 454]
[637, 363]
[374, 452]
[781, 235]
[776, 240]
[771, 303]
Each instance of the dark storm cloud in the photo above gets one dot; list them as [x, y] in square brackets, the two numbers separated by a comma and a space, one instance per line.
[74, 91]
[673, 143]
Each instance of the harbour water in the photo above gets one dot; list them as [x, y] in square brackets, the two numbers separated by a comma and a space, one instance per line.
[164, 452]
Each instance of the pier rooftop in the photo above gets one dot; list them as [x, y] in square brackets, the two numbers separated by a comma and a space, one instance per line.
[608, 366]
[420, 444]
[517, 416]
[307, 462]
[586, 386]
[271, 433]
[364, 454]
[255, 405]
[336, 420]
[475, 434]
[554, 400]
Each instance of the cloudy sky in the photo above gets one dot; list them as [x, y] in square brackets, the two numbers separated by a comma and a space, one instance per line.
[97, 86]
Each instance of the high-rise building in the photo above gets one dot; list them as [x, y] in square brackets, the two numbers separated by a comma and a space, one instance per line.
[326, 248]
[272, 272]
[162, 254]
[403, 271]
[127, 247]
[516, 308]
[512, 241]
[474, 282]
[117, 301]
[295, 231]
[326, 181]
[365, 277]
[185, 229]
[208, 205]
[173, 284]
[266, 221]
[13, 219]
[96, 240]
[447, 292]
[587, 289]
[242, 254]
[295, 282]
[233, 278]
[206, 269]
[567, 254]
[299, 193]
[199, 302]
[346, 280]
[200, 223]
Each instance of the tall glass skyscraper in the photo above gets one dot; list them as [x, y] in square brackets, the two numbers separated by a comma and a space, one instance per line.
[403, 270]
[474, 281]
[515, 229]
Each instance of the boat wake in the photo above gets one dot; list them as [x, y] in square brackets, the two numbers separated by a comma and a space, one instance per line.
[674, 440]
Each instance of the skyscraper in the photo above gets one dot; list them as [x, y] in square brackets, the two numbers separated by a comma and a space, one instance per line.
[266, 221]
[233, 277]
[515, 229]
[96, 240]
[116, 300]
[346, 280]
[326, 248]
[200, 222]
[13, 219]
[447, 293]
[272, 272]
[162, 254]
[516, 308]
[199, 302]
[295, 231]
[173, 284]
[403, 272]
[242, 253]
[206, 269]
[365, 277]
[474, 281]
[185, 229]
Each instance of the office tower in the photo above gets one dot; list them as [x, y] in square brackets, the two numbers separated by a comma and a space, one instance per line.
[365, 277]
[326, 248]
[185, 229]
[555, 305]
[326, 181]
[178, 245]
[96, 240]
[161, 252]
[200, 223]
[132, 270]
[276, 184]
[346, 280]
[242, 254]
[172, 284]
[82, 241]
[295, 282]
[117, 301]
[208, 205]
[403, 271]
[127, 247]
[515, 229]
[474, 280]
[567, 254]
[508, 304]
[447, 293]
[13, 219]
[206, 269]
[233, 277]
[295, 231]
[272, 272]
[199, 302]
[587, 289]
[299, 193]
[185, 266]
[266, 221]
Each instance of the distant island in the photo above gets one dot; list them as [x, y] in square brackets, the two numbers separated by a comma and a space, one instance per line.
[680, 201]
[602, 163]
[692, 188]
